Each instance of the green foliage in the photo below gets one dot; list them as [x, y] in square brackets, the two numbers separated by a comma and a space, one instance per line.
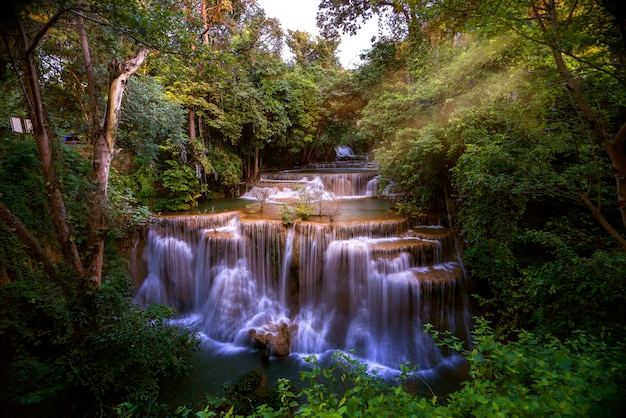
[287, 214]
[418, 164]
[68, 346]
[487, 186]
[75, 170]
[486, 134]
[21, 185]
[531, 376]
[182, 185]
[128, 216]
[225, 170]
[13, 256]
[349, 389]
[304, 211]
[304, 205]
[142, 182]
[573, 293]
[22, 191]
[528, 377]
[408, 210]
[149, 119]
[309, 52]
[249, 391]
[383, 62]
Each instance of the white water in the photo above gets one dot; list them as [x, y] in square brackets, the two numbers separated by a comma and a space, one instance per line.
[321, 185]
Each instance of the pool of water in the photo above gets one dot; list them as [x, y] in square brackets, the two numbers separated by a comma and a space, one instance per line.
[216, 365]
[349, 209]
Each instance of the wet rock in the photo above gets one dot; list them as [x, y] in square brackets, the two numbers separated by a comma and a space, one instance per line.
[273, 338]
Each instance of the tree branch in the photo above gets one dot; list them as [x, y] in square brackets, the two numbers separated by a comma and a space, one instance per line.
[27, 239]
[605, 224]
[33, 44]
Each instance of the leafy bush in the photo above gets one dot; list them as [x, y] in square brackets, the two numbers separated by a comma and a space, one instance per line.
[149, 119]
[584, 293]
[127, 214]
[68, 346]
[286, 214]
[304, 205]
[182, 187]
[533, 376]
[21, 185]
[225, 170]
[304, 211]
[249, 391]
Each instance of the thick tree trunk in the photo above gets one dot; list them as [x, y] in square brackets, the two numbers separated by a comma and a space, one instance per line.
[91, 80]
[22, 49]
[103, 150]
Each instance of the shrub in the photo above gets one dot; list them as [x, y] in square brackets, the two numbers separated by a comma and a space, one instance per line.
[69, 346]
[286, 213]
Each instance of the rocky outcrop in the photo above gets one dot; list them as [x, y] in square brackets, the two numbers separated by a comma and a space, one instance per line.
[273, 338]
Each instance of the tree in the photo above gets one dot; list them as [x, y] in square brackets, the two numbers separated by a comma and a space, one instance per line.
[419, 22]
[308, 51]
[586, 44]
[25, 27]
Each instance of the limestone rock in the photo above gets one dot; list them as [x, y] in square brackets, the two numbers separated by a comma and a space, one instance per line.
[273, 338]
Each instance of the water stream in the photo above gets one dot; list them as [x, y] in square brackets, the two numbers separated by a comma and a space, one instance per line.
[263, 294]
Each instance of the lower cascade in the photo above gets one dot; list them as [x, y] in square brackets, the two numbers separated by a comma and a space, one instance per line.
[366, 287]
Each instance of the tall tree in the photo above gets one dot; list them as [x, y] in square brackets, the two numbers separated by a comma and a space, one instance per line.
[21, 36]
[585, 40]
[25, 30]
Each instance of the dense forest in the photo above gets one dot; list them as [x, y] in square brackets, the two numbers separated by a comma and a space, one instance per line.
[505, 117]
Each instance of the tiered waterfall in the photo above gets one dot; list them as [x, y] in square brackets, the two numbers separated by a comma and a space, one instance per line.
[366, 286]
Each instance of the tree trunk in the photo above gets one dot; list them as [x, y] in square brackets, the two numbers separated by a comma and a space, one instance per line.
[22, 50]
[192, 123]
[256, 162]
[617, 153]
[29, 79]
[91, 80]
[103, 151]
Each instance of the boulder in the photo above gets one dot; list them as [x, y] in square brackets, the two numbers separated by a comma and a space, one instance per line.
[273, 338]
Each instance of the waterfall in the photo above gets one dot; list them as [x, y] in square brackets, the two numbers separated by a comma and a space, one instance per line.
[372, 187]
[285, 267]
[363, 286]
[350, 184]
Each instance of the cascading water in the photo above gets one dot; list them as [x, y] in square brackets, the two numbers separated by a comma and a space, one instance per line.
[341, 184]
[366, 286]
